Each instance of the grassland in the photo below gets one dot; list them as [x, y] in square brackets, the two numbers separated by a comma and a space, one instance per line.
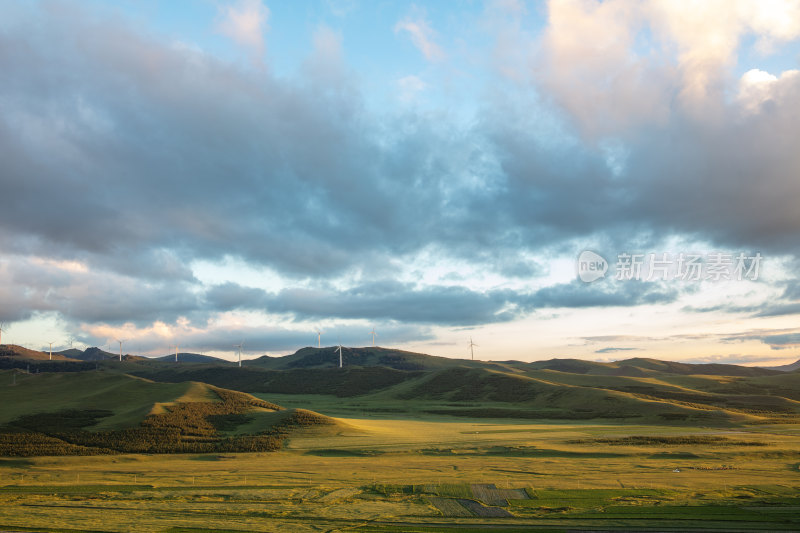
[379, 474]
[556, 446]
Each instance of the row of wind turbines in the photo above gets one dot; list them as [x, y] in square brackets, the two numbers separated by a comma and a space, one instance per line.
[319, 337]
[472, 345]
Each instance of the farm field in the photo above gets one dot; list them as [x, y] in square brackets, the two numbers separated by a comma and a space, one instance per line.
[435, 474]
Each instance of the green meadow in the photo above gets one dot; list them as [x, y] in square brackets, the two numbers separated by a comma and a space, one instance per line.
[460, 448]
[381, 474]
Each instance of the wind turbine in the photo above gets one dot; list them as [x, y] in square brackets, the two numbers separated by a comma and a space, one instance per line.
[176, 351]
[471, 352]
[2, 325]
[319, 339]
[340, 355]
[373, 337]
[120, 347]
[51, 350]
[240, 351]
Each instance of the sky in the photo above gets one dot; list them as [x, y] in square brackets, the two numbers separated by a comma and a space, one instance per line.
[574, 178]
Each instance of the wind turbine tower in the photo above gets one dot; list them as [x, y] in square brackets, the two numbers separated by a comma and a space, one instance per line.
[373, 337]
[239, 346]
[51, 350]
[471, 351]
[2, 325]
[319, 339]
[176, 352]
[120, 347]
[340, 355]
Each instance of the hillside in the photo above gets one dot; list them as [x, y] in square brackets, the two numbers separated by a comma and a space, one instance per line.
[667, 397]
[187, 357]
[641, 390]
[345, 382]
[328, 357]
[791, 367]
[643, 367]
[516, 390]
[90, 354]
[12, 350]
[89, 413]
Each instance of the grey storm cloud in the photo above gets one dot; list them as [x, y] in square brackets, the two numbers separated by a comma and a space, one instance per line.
[447, 305]
[138, 156]
[780, 341]
[787, 304]
[398, 301]
[604, 294]
[28, 287]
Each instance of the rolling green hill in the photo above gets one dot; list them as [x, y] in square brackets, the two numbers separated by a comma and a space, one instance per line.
[89, 413]
[128, 394]
[644, 367]
[641, 390]
[328, 357]
[18, 352]
[187, 357]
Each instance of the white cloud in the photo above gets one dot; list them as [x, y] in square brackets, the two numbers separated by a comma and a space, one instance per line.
[707, 36]
[616, 63]
[757, 87]
[341, 8]
[422, 35]
[245, 23]
[326, 63]
[588, 64]
[410, 87]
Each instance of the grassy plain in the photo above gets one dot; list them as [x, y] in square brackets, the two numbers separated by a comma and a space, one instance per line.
[467, 448]
[416, 472]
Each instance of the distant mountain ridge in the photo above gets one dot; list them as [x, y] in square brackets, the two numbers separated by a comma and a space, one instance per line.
[96, 354]
[648, 390]
[12, 350]
[375, 356]
[89, 354]
[328, 357]
[791, 367]
[188, 357]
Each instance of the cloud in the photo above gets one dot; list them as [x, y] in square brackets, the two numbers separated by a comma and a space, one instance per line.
[613, 350]
[421, 34]
[732, 359]
[409, 87]
[780, 341]
[615, 65]
[136, 157]
[757, 88]
[30, 286]
[777, 339]
[258, 340]
[342, 8]
[577, 294]
[245, 22]
[389, 300]
[707, 36]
